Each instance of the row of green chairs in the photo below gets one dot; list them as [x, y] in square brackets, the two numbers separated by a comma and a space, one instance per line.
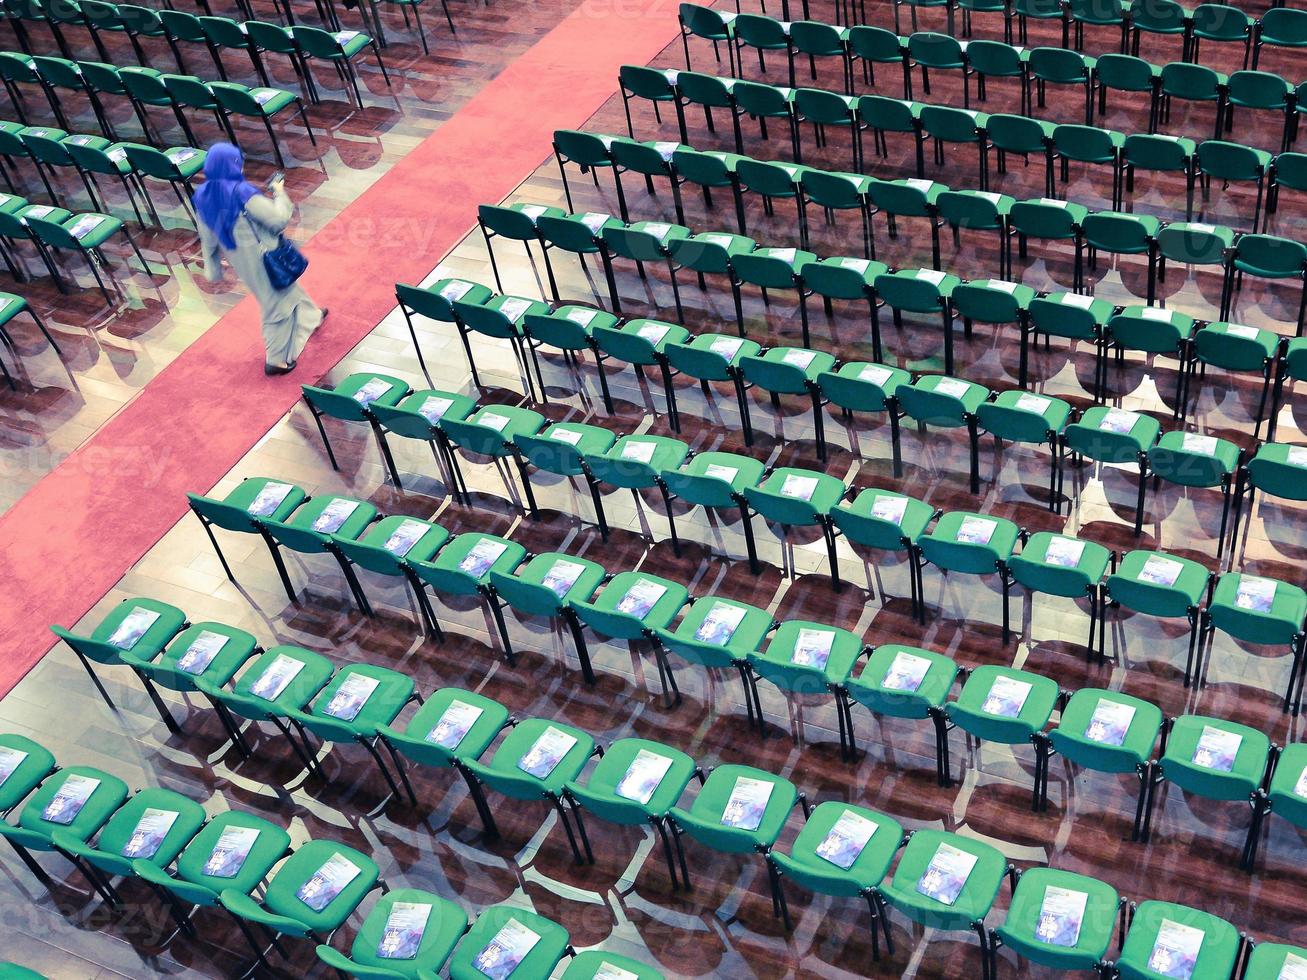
[1002, 133]
[193, 861]
[53, 229]
[530, 325]
[1101, 730]
[50, 149]
[147, 88]
[1114, 232]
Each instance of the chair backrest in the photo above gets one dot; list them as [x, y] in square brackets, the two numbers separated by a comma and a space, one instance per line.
[269, 37]
[16, 67]
[1230, 161]
[932, 407]
[583, 149]
[1149, 151]
[703, 22]
[1221, 22]
[759, 99]
[47, 146]
[1197, 83]
[1270, 256]
[315, 42]
[994, 58]
[760, 31]
[702, 89]
[190, 90]
[949, 124]
[1124, 72]
[875, 44]
[636, 245]
[224, 32]
[150, 162]
[774, 376]
[988, 304]
[763, 177]
[1014, 133]
[51, 233]
[425, 302]
[766, 271]
[571, 234]
[882, 112]
[101, 77]
[1158, 16]
[483, 320]
[181, 26]
[1259, 90]
[1194, 244]
[903, 199]
[824, 107]
[1088, 144]
[144, 87]
[1277, 470]
[841, 278]
[1283, 26]
[646, 83]
[816, 38]
[1058, 65]
[777, 508]
[59, 72]
[904, 291]
[933, 50]
[1116, 231]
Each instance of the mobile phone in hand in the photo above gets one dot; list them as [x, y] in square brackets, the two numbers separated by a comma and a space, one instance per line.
[278, 178]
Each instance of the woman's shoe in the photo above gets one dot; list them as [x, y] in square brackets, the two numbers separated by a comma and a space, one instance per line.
[273, 369]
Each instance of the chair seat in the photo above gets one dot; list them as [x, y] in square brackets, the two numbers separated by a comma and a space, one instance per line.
[973, 544]
[1215, 758]
[1112, 435]
[833, 855]
[738, 810]
[1258, 610]
[271, 100]
[1157, 583]
[924, 866]
[1058, 564]
[636, 781]
[480, 942]
[807, 658]
[1107, 731]
[631, 604]
[1144, 958]
[1050, 923]
[464, 565]
[716, 632]
[999, 704]
[903, 681]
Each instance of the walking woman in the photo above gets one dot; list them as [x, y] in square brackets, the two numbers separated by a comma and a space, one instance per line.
[237, 221]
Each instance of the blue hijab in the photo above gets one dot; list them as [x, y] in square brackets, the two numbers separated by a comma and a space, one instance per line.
[220, 200]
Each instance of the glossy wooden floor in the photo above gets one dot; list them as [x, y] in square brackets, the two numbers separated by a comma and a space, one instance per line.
[724, 927]
[112, 351]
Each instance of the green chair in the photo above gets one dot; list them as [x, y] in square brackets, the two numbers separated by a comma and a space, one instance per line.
[859, 386]
[1191, 243]
[771, 268]
[452, 724]
[313, 529]
[1059, 66]
[352, 708]
[691, 88]
[1214, 759]
[1292, 367]
[567, 329]
[84, 234]
[885, 521]
[1268, 257]
[535, 761]
[340, 49]
[1281, 28]
[1262, 90]
[559, 448]
[707, 357]
[1156, 332]
[500, 318]
[1159, 152]
[1270, 959]
[282, 679]
[882, 114]
[139, 22]
[915, 197]
[707, 253]
[31, 764]
[1022, 135]
[817, 40]
[948, 403]
[1098, 13]
[739, 810]
[581, 235]
[310, 896]
[843, 851]
[805, 658]
[640, 242]
[787, 371]
[1066, 566]
[716, 481]
[1061, 920]
[762, 102]
[874, 46]
[929, 50]
[1283, 796]
[233, 853]
[635, 463]
[925, 291]
[1111, 732]
[1191, 83]
[1008, 707]
[791, 497]
[1257, 610]
[995, 301]
[462, 568]
[75, 802]
[826, 110]
[179, 27]
[762, 33]
[1241, 348]
[1126, 73]
[210, 650]
[973, 544]
[849, 279]
[516, 222]
[967, 872]
[996, 59]
[1077, 318]
[832, 191]
[631, 606]
[1156, 583]
[385, 945]
[11, 305]
[1220, 23]
[983, 211]
[223, 33]
[142, 627]
[1022, 416]
[420, 416]
[1114, 436]
[653, 86]
[435, 302]
[1089, 145]
[1120, 233]
[947, 124]
[641, 343]
[19, 69]
[501, 926]
[635, 783]
[719, 634]
[905, 682]
[94, 155]
[262, 104]
[240, 509]
[587, 150]
[1228, 162]
[176, 165]
[1047, 219]
[773, 182]
[1276, 469]
[351, 401]
[61, 73]
[1163, 18]
[150, 828]
[1193, 460]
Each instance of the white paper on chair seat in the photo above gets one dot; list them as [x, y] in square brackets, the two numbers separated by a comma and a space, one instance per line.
[1242, 330]
[1155, 313]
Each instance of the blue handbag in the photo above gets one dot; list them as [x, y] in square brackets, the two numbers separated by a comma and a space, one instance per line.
[284, 262]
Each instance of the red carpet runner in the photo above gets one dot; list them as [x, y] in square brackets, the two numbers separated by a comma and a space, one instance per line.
[75, 534]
